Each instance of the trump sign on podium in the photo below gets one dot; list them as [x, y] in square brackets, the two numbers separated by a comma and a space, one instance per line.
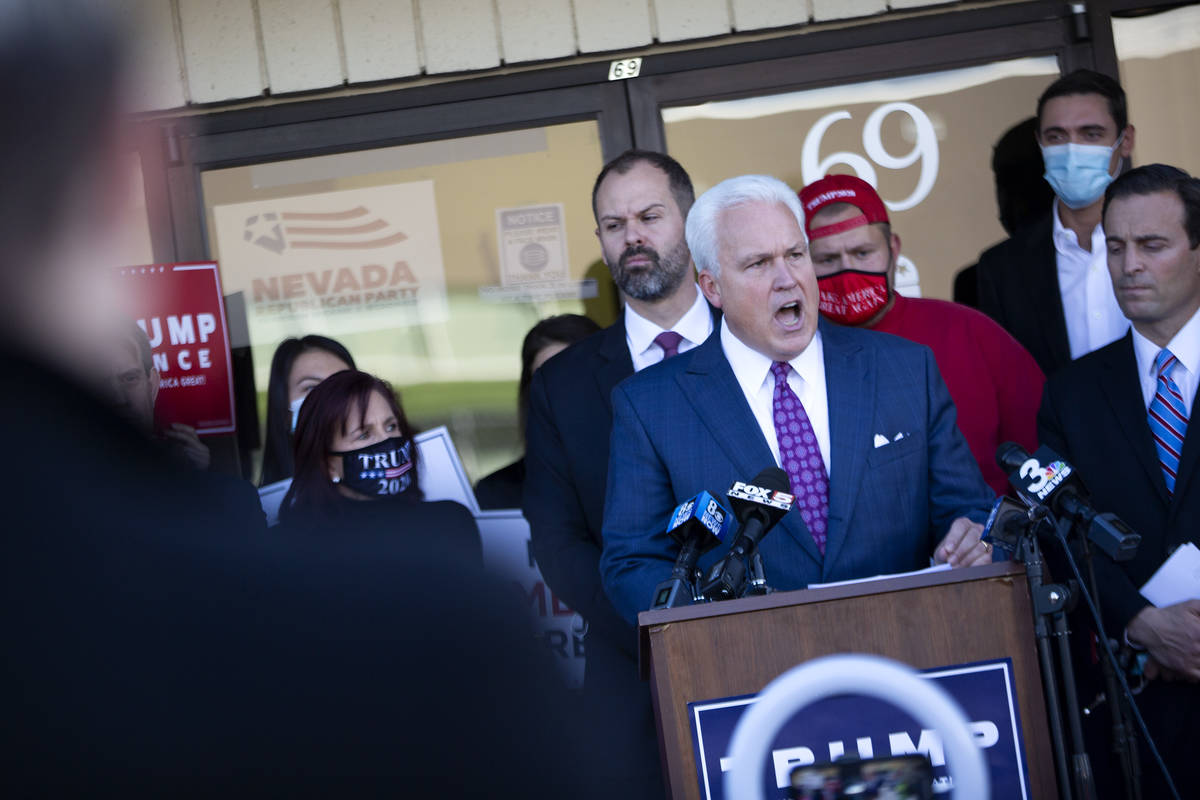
[182, 311]
[856, 725]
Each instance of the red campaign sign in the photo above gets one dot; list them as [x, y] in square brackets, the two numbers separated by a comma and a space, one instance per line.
[182, 311]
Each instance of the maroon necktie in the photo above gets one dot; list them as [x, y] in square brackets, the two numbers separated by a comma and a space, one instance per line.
[669, 342]
[801, 456]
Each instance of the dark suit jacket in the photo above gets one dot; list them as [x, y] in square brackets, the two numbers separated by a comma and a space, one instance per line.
[1018, 287]
[966, 286]
[566, 464]
[503, 488]
[684, 426]
[1093, 416]
[566, 468]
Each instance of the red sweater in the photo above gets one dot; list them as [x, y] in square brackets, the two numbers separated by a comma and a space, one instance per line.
[995, 384]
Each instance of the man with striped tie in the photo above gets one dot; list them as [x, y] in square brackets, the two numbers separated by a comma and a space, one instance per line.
[1120, 416]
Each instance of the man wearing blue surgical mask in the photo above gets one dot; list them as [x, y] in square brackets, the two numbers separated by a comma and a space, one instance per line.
[1048, 285]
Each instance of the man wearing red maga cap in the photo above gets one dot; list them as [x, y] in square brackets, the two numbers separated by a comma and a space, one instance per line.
[995, 384]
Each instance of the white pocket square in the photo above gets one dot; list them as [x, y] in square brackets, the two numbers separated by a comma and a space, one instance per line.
[881, 440]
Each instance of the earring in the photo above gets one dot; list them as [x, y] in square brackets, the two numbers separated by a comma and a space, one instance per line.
[335, 479]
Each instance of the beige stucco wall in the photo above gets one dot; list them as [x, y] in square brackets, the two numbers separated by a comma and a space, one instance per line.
[191, 52]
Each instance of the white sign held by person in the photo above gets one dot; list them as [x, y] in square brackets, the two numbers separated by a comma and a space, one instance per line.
[340, 262]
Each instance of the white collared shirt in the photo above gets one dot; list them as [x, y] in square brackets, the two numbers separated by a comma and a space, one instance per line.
[694, 326]
[807, 379]
[1090, 307]
[1186, 347]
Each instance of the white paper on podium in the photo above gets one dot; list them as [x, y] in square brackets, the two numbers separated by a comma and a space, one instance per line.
[926, 571]
[1177, 580]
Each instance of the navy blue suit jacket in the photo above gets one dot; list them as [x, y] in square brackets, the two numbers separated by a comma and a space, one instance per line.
[684, 425]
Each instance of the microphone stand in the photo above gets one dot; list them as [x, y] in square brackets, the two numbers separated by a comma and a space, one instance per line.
[1049, 600]
[1081, 764]
[1061, 532]
[1123, 736]
[757, 585]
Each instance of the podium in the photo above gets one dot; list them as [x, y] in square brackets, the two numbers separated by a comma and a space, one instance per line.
[733, 648]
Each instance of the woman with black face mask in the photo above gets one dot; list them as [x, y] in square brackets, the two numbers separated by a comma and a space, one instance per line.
[356, 468]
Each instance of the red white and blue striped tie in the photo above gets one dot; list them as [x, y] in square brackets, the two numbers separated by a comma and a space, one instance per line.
[1168, 418]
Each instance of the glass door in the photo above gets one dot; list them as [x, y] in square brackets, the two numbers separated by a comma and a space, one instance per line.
[1158, 54]
[427, 251]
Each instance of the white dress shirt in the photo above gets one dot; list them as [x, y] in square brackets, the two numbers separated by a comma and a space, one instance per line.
[694, 326]
[807, 379]
[1089, 305]
[1186, 374]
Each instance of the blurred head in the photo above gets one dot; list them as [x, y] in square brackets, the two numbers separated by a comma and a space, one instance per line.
[132, 380]
[746, 235]
[640, 200]
[296, 368]
[1022, 194]
[854, 251]
[545, 340]
[346, 414]
[1152, 227]
[64, 184]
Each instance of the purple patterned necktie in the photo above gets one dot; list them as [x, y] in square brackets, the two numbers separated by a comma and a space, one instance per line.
[800, 456]
[669, 342]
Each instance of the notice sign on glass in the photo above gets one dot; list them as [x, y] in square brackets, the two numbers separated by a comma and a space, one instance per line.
[533, 257]
[182, 311]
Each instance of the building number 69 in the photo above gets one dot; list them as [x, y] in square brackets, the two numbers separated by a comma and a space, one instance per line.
[925, 150]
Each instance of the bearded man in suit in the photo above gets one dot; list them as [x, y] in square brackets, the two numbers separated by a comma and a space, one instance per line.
[640, 199]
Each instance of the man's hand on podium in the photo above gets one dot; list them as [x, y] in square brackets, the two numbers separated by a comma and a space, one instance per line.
[962, 546]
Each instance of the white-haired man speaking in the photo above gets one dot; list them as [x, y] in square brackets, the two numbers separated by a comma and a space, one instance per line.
[861, 422]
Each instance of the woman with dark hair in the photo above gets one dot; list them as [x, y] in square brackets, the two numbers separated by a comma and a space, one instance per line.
[502, 489]
[357, 468]
[297, 366]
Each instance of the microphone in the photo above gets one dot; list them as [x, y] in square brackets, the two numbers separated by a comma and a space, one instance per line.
[699, 524]
[758, 506]
[1046, 479]
[1009, 520]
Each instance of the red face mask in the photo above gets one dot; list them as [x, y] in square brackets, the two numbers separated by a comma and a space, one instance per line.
[851, 297]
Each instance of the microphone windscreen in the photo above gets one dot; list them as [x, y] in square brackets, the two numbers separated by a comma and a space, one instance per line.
[773, 478]
[1010, 456]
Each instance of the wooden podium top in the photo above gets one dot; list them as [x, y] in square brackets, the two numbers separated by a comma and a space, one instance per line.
[651, 619]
